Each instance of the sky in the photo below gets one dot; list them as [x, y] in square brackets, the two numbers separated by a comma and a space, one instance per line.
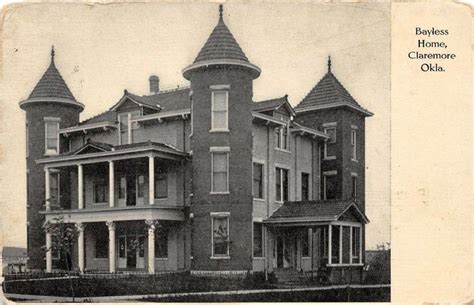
[103, 49]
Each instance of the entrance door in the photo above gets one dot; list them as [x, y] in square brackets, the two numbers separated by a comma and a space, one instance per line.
[279, 251]
[131, 251]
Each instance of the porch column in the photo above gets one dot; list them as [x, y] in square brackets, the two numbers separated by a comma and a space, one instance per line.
[151, 179]
[49, 251]
[111, 226]
[330, 245]
[111, 184]
[47, 189]
[80, 245]
[310, 245]
[80, 187]
[151, 245]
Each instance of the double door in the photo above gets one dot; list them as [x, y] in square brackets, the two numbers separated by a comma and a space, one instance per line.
[131, 250]
[131, 189]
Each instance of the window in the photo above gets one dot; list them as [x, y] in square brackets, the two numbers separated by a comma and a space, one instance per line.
[161, 185]
[355, 245]
[220, 236]
[281, 137]
[257, 239]
[304, 186]
[346, 239]
[51, 136]
[101, 242]
[329, 145]
[330, 185]
[219, 110]
[354, 187]
[100, 189]
[125, 127]
[122, 187]
[281, 188]
[335, 244]
[258, 180]
[140, 186]
[324, 242]
[305, 243]
[161, 243]
[220, 172]
[354, 144]
[54, 189]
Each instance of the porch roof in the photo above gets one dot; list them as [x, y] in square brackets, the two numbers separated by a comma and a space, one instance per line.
[314, 211]
[105, 152]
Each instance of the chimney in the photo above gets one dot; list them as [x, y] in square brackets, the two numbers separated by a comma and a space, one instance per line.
[154, 84]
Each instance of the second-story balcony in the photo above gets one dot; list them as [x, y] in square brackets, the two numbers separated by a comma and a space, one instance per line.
[100, 182]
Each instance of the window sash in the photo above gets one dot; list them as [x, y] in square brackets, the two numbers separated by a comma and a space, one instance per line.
[281, 183]
[258, 180]
[220, 107]
[354, 187]
[220, 236]
[220, 171]
[354, 144]
[52, 137]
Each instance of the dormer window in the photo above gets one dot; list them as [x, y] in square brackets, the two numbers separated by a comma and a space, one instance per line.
[51, 126]
[220, 109]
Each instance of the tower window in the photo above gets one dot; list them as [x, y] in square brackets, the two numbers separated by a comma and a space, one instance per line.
[220, 236]
[354, 144]
[220, 115]
[330, 144]
[354, 186]
[220, 171]
[51, 136]
[330, 185]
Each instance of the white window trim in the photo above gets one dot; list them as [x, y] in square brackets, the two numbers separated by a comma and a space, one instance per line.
[49, 152]
[281, 181]
[262, 163]
[351, 226]
[226, 128]
[215, 215]
[219, 87]
[222, 149]
[354, 144]
[325, 174]
[326, 128]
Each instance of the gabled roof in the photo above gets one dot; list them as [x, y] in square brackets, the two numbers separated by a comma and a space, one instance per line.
[274, 104]
[329, 92]
[127, 96]
[221, 48]
[169, 100]
[95, 146]
[314, 211]
[52, 88]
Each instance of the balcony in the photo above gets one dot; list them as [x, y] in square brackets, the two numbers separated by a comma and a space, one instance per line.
[99, 182]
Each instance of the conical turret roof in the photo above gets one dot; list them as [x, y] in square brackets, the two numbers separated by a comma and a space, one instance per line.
[52, 88]
[221, 48]
[329, 92]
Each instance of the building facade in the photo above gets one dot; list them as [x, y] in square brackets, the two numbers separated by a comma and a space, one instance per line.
[199, 178]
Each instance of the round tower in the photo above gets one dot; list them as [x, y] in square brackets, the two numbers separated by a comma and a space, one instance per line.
[50, 107]
[221, 80]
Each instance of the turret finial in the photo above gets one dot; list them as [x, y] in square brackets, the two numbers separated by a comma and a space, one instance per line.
[329, 63]
[221, 10]
[52, 53]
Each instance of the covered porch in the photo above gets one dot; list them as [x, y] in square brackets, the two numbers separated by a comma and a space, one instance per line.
[318, 238]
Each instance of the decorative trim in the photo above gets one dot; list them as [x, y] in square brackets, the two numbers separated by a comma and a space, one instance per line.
[219, 149]
[51, 119]
[330, 173]
[51, 100]
[163, 115]
[268, 118]
[106, 124]
[334, 105]
[330, 124]
[354, 126]
[256, 70]
[354, 174]
[220, 214]
[219, 87]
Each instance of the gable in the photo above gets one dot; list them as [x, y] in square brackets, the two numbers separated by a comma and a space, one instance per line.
[127, 105]
[90, 148]
[351, 215]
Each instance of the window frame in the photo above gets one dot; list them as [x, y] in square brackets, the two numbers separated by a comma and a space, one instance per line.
[325, 175]
[307, 175]
[220, 215]
[220, 150]
[354, 143]
[95, 189]
[47, 121]
[279, 179]
[55, 172]
[326, 128]
[262, 181]
[354, 183]
[340, 226]
[282, 138]
[262, 240]
[226, 127]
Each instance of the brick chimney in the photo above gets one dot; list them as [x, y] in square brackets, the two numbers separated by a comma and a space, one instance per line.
[154, 84]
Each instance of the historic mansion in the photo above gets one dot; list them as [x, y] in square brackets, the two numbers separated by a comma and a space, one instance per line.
[200, 178]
